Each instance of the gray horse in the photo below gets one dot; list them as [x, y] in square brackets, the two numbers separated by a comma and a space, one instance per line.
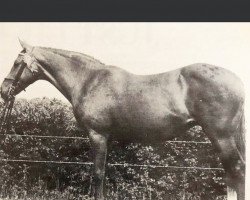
[111, 103]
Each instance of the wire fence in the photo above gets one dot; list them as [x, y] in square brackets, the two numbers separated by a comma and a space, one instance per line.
[109, 164]
[147, 194]
[87, 139]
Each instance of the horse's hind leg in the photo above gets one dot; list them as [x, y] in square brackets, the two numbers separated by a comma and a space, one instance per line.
[234, 166]
[232, 160]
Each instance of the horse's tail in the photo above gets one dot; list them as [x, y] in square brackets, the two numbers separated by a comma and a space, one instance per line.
[240, 133]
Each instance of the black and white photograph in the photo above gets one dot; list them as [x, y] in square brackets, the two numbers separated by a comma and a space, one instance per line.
[124, 111]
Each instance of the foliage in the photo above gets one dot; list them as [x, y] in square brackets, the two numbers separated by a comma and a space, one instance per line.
[68, 181]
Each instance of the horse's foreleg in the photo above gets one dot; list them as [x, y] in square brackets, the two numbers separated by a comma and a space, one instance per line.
[99, 146]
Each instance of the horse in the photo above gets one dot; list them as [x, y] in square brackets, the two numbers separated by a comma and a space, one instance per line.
[113, 104]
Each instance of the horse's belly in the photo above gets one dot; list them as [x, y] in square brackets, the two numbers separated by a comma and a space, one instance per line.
[150, 130]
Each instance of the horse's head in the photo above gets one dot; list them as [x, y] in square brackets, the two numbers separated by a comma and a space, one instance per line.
[24, 72]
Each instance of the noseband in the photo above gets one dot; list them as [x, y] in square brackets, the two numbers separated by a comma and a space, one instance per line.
[15, 82]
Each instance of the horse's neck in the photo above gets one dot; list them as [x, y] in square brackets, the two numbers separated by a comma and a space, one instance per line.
[66, 75]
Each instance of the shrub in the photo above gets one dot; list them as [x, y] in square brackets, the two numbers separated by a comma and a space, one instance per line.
[68, 181]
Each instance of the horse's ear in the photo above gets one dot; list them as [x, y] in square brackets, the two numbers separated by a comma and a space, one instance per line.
[25, 46]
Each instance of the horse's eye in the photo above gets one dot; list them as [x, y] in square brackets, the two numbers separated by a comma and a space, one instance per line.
[18, 61]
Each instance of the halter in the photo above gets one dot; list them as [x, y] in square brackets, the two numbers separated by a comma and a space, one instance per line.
[28, 60]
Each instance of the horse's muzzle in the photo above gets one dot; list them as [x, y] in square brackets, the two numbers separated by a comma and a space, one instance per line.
[5, 87]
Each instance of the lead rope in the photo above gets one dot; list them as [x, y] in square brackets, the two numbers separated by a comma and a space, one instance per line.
[5, 118]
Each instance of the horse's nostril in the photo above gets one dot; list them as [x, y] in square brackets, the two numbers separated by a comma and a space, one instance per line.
[2, 93]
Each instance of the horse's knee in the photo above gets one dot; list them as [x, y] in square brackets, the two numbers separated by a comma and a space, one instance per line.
[99, 175]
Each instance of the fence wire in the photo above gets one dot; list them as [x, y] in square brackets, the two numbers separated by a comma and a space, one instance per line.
[109, 164]
[87, 139]
[112, 164]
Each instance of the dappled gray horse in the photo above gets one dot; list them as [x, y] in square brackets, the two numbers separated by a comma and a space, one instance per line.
[111, 103]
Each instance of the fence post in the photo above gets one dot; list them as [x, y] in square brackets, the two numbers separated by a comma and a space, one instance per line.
[25, 171]
[150, 194]
[184, 185]
[90, 187]
[231, 194]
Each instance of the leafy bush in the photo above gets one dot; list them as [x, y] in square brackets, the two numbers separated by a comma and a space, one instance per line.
[20, 180]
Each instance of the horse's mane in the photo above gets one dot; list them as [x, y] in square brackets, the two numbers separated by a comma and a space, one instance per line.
[73, 55]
